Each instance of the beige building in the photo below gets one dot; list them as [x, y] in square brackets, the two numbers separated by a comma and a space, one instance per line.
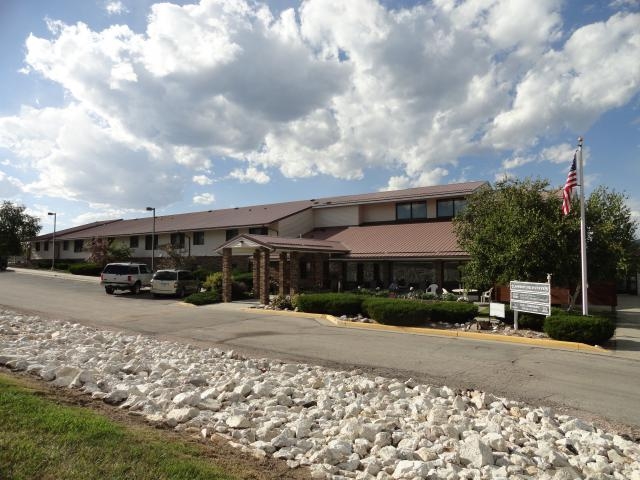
[368, 240]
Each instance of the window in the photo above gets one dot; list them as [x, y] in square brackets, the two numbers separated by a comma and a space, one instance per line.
[65, 245]
[133, 242]
[177, 240]
[78, 245]
[259, 231]
[147, 242]
[198, 238]
[46, 246]
[232, 232]
[37, 246]
[411, 211]
[450, 208]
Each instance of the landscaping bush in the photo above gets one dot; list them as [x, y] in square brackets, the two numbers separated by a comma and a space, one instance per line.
[282, 302]
[213, 282]
[244, 277]
[61, 266]
[204, 298]
[87, 269]
[594, 330]
[331, 303]
[527, 321]
[400, 312]
[453, 312]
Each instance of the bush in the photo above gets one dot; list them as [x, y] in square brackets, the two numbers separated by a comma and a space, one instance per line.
[61, 266]
[453, 312]
[244, 277]
[390, 311]
[213, 282]
[282, 302]
[331, 303]
[87, 269]
[528, 321]
[577, 328]
[204, 298]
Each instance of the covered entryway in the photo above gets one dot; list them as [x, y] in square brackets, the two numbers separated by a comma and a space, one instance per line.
[287, 252]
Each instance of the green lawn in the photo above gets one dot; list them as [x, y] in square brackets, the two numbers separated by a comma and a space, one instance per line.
[41, 439]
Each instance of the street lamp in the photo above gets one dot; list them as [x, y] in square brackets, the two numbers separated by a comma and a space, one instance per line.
[53, 255]
[153, 236]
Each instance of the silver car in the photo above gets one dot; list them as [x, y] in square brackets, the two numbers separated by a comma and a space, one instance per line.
[174, 282]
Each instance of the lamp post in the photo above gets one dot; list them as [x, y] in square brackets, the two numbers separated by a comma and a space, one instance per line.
[153, 236]
[53, 255]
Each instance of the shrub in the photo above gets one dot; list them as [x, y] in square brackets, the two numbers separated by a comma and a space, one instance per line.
[87, 269]
[282, 302]
[244, 277]
[594, 330]
[331, 303]
[398, 312]
[528, 321]
[213, 282]
[203, 298]
[453, 312]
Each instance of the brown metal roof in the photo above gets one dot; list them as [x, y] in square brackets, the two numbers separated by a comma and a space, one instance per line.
[408, 240]
[451, 190]
[286, 244]
[75, 230]
[255, 215]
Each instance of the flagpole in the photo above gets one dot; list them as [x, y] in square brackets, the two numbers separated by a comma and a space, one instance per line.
[583, 238]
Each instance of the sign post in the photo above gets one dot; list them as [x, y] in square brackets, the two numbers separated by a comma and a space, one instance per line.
[530, 297]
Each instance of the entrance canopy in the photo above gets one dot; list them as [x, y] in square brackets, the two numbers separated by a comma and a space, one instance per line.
[246, 244]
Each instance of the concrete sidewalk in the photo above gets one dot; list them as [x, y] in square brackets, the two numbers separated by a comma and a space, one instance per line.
[626, 342]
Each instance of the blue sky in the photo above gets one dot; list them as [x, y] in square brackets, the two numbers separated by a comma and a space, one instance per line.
[107, 106]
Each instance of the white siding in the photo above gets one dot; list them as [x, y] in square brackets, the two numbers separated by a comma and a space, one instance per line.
[432, 208]
[296, 225]
[336, 216]
[378, 213]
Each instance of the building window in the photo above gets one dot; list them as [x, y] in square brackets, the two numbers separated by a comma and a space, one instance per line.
[198, 238]
[37, 246]
[232, 232]
[78, 245]
[411, 210]
[177, 240]
[450, 208]
[147, 242]
[259, 231]
[65, 245]
[133, 242]
[46, 246]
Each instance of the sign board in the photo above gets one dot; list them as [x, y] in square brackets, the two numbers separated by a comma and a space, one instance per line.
[496, 310]
[531, 297]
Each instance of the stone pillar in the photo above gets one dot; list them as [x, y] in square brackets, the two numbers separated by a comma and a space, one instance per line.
[287, 275]
[318, 271]
[226, 275]
[282, 274]
[294, 273]
[264, 276]
[256, 274]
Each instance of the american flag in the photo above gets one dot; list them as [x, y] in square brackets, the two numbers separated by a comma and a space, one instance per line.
[568, 187]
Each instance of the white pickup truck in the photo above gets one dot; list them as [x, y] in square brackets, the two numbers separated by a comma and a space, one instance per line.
[125, 276]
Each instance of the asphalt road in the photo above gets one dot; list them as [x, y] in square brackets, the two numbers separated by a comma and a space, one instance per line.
[598, 387]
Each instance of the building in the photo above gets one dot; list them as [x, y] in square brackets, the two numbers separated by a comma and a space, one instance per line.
[367, 240]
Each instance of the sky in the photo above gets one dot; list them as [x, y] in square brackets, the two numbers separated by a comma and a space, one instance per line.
[108, 107]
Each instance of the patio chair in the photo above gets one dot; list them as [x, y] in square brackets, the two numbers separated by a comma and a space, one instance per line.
[433, 288]
[486, 296]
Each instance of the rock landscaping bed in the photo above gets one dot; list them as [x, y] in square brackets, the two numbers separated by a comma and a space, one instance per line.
[339, 424]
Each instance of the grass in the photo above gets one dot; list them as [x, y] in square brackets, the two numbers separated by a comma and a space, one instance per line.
[41, 439]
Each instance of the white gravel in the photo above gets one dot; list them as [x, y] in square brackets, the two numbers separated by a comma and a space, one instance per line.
[340, 424]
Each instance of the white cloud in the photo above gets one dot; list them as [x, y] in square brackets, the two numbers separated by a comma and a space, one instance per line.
[251, 174]
[204, 199]
[9, 186]
[202, 180]
[335, 88]
[115, 8]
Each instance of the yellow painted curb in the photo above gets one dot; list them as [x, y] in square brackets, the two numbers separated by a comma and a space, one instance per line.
[434, 332]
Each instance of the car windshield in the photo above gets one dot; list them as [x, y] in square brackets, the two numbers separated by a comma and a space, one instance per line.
[165, 275]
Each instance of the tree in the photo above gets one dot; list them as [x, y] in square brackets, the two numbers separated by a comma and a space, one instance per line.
[516, 231]
[16, 227]
[102, 251]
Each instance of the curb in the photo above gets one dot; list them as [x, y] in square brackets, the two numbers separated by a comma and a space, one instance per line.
[535, 342]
